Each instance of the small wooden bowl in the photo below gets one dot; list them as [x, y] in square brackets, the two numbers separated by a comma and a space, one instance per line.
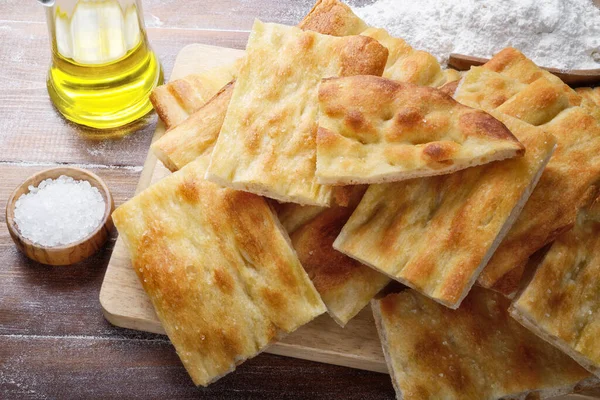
[73, 252]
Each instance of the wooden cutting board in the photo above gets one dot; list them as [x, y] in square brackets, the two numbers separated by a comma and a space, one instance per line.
[125, 303]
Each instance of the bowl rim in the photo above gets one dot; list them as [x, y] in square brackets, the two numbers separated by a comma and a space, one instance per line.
[102, 187]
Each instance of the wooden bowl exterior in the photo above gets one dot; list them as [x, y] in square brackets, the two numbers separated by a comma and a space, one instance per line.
[71, 253]
[575, 78]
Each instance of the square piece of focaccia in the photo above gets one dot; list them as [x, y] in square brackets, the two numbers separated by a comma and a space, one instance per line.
[267, 144]
[561, 304]
[474, 353]
[514, 85]
[376, 130]
[345, 285]
[218, 268]
[436, 234]
[194, 117]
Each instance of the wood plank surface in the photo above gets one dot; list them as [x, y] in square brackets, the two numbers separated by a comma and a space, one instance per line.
[54, 341]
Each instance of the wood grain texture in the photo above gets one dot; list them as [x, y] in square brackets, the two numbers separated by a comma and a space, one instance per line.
[32, 130]
[194, 14]
[136, 368]
[54, 341]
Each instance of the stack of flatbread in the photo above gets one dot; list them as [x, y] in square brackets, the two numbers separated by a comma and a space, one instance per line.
[334, 158]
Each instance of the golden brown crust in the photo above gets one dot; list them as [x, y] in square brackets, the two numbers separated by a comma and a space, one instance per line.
[222, 277]
[514, 85]
[406, 64]
[196, 136]
[375, 130]
[591, 94]
[436, 234]
[552, 208]
[476, 352]
[562, 302]
[345, 285]
[269, 133]
[176, 100]
[332, 17]
[538, 103]
[450, 87]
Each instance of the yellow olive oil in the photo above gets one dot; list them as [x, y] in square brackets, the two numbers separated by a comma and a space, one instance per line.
[102, 70]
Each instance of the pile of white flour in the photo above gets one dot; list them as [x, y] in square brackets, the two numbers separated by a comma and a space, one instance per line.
[553, 33]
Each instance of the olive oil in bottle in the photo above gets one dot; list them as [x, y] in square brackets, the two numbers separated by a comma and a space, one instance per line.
[103, 69]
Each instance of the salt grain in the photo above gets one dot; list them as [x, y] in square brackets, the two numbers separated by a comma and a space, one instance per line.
[59, 211]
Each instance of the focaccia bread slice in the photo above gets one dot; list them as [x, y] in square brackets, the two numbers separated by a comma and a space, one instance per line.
[561, 304]
[436, 234]
[345, 285]
[175, 101]
[552, 208]
[592, 94]
[218, 268]
[180, 99]
[474, 353]
[452, 75]
[332, 17]
[267, 144]
[406, 64]
[376, 130]
[514, 85]
[196, 136]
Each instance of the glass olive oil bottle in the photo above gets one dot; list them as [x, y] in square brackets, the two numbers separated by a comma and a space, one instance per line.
[103, 69]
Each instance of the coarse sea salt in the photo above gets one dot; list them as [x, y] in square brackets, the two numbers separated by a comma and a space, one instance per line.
[59, 211]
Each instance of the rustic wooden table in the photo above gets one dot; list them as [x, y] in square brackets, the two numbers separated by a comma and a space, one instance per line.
[54, 341]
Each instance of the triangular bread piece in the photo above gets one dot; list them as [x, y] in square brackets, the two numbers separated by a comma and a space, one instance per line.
[267, 144]
[218, 268]
[376, 130]
[436, 234]
[561, 304]
[474, 353]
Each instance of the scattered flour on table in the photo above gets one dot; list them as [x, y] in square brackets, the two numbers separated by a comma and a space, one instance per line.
[554, 33]
[59, 211]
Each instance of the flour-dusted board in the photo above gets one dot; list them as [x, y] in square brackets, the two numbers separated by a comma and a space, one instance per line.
[125, 303]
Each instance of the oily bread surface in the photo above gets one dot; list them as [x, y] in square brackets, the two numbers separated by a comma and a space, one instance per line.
[269, 132]
[436, 234]
[221, 275]
[476, 352]
[375, 130]
[332, 17]
[175, 101]
[406, 64]
[345, 285]
[196, 136]
[561, 304]
[514, 85]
